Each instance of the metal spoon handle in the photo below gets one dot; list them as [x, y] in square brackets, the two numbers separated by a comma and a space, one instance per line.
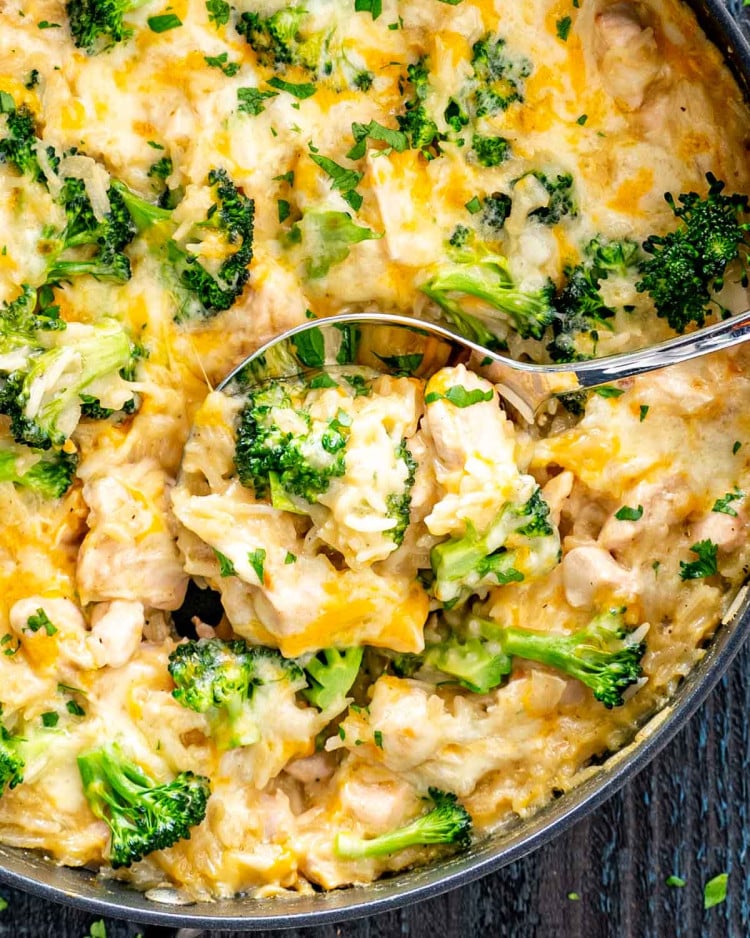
[528, 386]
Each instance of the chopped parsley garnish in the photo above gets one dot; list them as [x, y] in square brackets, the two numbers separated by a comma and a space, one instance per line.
[163, 23]
[40, 620]
[563, 27]
[218, 12]
[256, 559]
[251, 100]
[222, 62]
[226, 567]
[629, 514]
[300, 91]
[715, 891]
[705, 565]
[459, 396]
[723, 504]
[373, 7]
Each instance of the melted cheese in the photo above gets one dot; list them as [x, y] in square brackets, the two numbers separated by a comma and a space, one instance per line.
[633, 103]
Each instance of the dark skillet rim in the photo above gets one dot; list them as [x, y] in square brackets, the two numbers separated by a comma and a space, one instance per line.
[32, 873]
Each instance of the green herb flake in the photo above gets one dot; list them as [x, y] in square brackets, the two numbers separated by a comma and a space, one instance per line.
[676, 881]
[715, 891]
[310, 347]
[226, 567]
[251, 100]
[46, 25]
[285, 177]
[299, 91]
[629, 514]
[342, 179]
[574, 896]
[705, 565]
[373, 7]
[473, 206]
[154, 145]
[608, 391]
[284, 209]
[377, 737]
[342, 732]
[50, 718]
[563, 28]
[98, 930]
[218, 12]
[582, 119]
[736, 447]
[643, 412]
[163, 23]
[3, 904]
[256, 559]
[290, 558]
[459, 396]
[75, 708]
[723, 504]
[402, 364]
[222, 62]
[322, 381]
[394, 139]
[40, 620]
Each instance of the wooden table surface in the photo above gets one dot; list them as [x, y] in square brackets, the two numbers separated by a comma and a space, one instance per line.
[686, 814]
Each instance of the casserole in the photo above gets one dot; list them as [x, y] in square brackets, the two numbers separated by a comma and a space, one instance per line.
[337, 900]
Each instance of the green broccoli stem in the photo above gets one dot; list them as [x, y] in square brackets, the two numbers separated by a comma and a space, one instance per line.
[447, 823]
[456, 558]
[600, 656]
[142, 816]
[144, 213]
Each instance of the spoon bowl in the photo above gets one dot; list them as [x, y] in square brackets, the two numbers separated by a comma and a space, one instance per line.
[402, 345]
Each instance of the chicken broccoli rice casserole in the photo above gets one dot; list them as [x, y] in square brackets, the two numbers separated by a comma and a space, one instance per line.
[298, 633]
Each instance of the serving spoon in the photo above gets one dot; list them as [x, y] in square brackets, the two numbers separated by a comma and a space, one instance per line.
[402, 345]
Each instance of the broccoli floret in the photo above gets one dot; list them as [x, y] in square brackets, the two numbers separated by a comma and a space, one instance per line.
[478, 654]
[604, 655]
[49, 474]
[486, 277]
[97, 25]
[279, 40]
[19, 146]
[448, 822]
[490, 151]
[12, 763]
[330, 675]
[416, 121]
[223, 679]
[141, 815]
[472, 663]
[687, 266]
[519, 544]
[399, 504]
[41, 387]
[580, 308]
[199, 293]
[86, 245]
[561, 201]
[283, 451]
[498, 77]
[495, 211]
